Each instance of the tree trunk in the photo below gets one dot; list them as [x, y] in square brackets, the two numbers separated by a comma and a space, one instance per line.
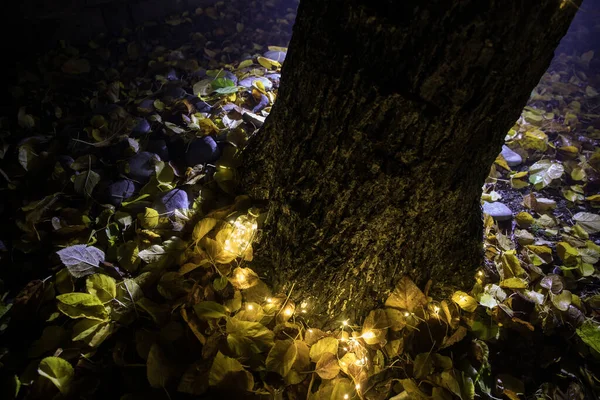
[389, 116]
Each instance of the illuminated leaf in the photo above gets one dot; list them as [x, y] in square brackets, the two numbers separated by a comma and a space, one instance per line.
[328, 366]
[149, 219]
[282, 356]
[464, 301]
[81, 305]
[203, 227]
[268, 63]
[102, 286]
[325, 345]
[406, 295]
[514, 283]
[58, 371]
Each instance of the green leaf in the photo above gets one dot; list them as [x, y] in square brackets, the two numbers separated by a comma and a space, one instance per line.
[589, 332]
[423, 365]
[282, 356]
[563, 300]
[92, 332]
[226, 371]
[245, 336]
[58, 371]
[82, 305]
[158, 367]
[222, 83]
[325, 345]
[227, 90]
[85, 182]
[210, 310]
[102, 286]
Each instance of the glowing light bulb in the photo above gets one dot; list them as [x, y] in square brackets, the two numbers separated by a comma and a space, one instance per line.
[436, 309]
[310, 331]
[249, 307]
[288, 311]
[406, 314]
[346, 396]
[303, 305]
[345, 349]
[345, 323]
[242, 233]
[480, 274]
[269, 300]
[357, 386]
[368, 335]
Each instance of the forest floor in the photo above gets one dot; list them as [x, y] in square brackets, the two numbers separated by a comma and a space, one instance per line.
[124, 277]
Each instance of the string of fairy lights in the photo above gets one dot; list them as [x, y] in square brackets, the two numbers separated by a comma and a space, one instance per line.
[243, 231]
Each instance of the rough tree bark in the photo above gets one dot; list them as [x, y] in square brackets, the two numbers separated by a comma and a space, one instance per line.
[389, 116]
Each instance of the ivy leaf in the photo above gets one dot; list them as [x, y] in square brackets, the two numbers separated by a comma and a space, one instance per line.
[589, 332]
[282, 356]
[86, 182]
[81, 260]
[227, 371]
[328, 366]
[588, 221]
[102, 286]
[406, 295]
[58, 371]
[82, 305]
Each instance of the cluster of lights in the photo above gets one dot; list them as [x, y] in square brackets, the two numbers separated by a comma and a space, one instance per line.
[244, 229]
[242, 234]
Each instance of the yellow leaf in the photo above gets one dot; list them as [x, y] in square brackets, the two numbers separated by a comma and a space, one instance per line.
[524, 219]
[406, 296]
[268, 63]
[203, 227]
[149, 219]
[464, 301]
[514, 283]
[502, 162]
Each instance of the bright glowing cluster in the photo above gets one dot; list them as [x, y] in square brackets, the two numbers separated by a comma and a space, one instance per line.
[242, 234]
